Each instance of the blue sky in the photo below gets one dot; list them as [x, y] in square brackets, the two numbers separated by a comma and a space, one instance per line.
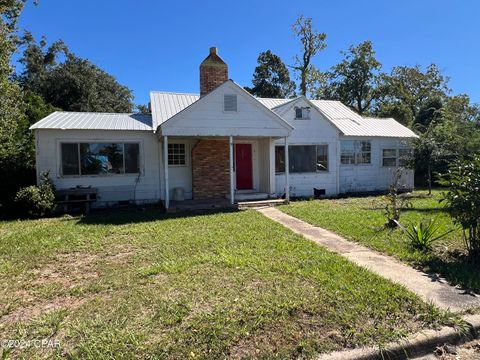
[158, 45]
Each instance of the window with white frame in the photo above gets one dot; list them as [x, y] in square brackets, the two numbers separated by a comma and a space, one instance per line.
[389, 157]
[302, 113]
[100, 158]
[302, 158]
[354, 152]
[395, 157]
[177, 155]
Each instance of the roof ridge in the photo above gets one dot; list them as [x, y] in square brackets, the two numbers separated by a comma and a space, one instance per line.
[378, 118]
[98, 113]
[173, 93]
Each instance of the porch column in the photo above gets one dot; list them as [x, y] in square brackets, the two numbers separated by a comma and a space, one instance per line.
[165, 170]
[232, 190]
[287, 172]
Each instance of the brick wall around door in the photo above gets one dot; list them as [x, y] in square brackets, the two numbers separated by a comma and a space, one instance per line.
[210, 169]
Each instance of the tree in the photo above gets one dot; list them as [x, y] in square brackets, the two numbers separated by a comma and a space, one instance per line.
[439, 144]
[271, 78]
[463, 201]
[410, 87]
[73, 84]
[354, 80]
[38, 60]
[36, 108]
[16, 155]
[428, 113]
[143, 109]
[312, 43]
[399, 111]
[79, 85]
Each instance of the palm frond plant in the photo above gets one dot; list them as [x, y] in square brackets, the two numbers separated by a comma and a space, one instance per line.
[423, 234]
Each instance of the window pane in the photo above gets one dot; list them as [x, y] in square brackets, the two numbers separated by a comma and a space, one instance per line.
[176, 154]
[101, 159]
[389, 162]
[364, 158]
[322, 158]
[279, 159]
[389, 153]
[347, 152]
[364, 152]
[69, 159]
[365, 146]
[302, 158]
[132, 158]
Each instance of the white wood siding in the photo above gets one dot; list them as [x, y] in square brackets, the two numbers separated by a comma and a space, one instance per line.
[207, 117]
[373, 176]
[111, 188]
[178, 176]
[316, 131]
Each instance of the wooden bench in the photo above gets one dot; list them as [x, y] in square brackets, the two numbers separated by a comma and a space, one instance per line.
[77, 196]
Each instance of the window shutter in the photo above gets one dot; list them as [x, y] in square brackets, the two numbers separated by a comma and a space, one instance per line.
[229, 102]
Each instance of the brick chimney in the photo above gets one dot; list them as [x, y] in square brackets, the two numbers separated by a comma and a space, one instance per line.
[213, 72]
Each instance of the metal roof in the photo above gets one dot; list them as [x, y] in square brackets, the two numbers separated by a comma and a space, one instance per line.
[348, 122]
[352, 124]
[166, 104]
[374, 127]
[94, 121]
[271, 103]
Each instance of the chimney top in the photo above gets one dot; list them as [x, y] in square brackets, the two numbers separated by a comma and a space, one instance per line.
[213, 72]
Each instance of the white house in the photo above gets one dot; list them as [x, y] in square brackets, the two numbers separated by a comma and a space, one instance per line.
[221, 144]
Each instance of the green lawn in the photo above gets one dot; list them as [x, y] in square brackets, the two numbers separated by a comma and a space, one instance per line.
[149, 285]
[361, 219]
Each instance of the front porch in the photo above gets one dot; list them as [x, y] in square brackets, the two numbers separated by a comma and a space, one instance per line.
[218, 171]
[216, 204]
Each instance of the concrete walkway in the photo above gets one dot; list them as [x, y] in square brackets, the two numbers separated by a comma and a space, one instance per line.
[429, 287]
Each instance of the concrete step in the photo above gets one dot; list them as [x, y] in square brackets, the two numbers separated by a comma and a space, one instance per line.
[260, 203]
[249, 196]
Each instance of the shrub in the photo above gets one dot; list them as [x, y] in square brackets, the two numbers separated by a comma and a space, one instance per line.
[424, 234]
[463, 200]
[37, 200]
[394, 201]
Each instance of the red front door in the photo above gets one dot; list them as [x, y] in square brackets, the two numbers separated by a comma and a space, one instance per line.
[243, 166]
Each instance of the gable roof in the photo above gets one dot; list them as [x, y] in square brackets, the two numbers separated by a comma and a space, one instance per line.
[180, 102]
[347, 121]
[167, 104]
[94, 121]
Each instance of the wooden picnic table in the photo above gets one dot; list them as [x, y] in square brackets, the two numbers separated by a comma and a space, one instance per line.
[78, 195]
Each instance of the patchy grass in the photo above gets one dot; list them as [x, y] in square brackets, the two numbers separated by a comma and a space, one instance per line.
[361, 219]
[214, 285]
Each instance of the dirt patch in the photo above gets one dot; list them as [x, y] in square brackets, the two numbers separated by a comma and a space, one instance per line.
[468, 351]
[278, 335]
[120, 253]
[68, 270]
[72, 269]
[30, 312]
